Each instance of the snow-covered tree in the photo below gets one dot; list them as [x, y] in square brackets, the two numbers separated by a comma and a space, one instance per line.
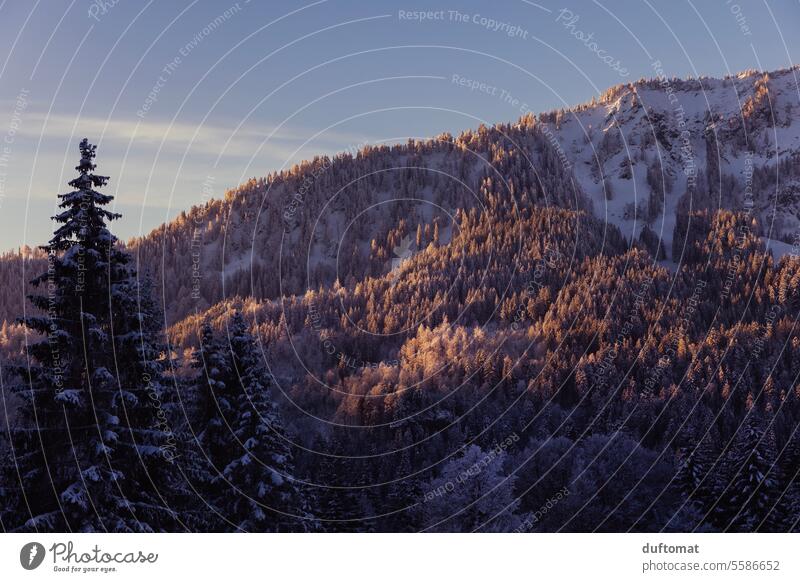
[87, 448]
[471, 494]
[752, 477]
[402, 495]
[212, 400]
[337, 501]
[696, 479]
[253, 485]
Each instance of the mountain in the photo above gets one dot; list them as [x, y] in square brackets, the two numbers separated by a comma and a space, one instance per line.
[649, 151]
[595, 300]
[644, 153]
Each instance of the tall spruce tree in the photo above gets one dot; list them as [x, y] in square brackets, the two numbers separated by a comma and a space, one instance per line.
[253, 486]
[213, 400]
[86, 450]
[204, 435]
[150, 416]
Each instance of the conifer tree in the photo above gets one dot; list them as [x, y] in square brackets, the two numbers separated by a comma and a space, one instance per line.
[697, 476]
[213, 407]
[752, 476]
[337, 500]
[86, 449]
[205, 436]
[471, 494]
[267, 497]
[785, 516]
[252, 483]
[402, 495]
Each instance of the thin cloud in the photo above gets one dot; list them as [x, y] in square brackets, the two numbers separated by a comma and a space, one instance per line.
[180, 136]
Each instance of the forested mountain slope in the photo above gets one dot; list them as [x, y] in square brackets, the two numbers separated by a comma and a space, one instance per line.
[420, 307]
[640, 157]
[609, 368]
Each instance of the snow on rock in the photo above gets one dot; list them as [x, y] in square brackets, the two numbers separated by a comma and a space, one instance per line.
[733, 142]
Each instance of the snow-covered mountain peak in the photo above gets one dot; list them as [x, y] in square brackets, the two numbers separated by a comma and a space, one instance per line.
[645, 151]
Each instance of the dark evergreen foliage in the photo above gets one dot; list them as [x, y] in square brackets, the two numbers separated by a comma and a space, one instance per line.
[87, 451]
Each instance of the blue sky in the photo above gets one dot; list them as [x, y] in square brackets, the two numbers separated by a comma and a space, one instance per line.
[182, 93]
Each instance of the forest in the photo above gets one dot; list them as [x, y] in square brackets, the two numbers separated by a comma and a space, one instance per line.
[508, 364]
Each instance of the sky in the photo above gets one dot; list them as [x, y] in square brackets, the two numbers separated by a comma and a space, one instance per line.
[189, 98]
